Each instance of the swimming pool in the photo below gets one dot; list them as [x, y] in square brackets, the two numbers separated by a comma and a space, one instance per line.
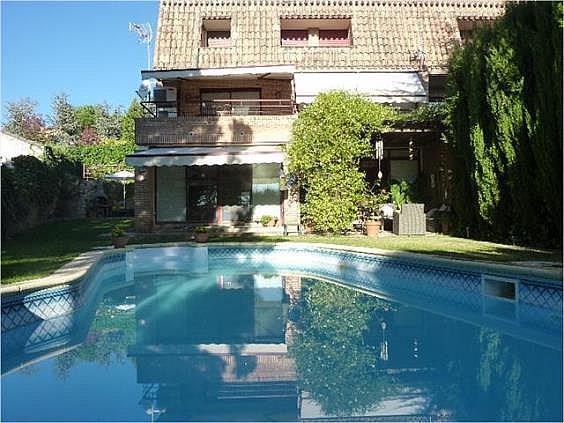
[283, 333]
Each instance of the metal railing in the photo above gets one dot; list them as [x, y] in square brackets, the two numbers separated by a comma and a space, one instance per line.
[243, 107]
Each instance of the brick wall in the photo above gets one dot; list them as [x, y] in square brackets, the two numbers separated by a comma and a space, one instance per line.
[214, 130]
[144, 199]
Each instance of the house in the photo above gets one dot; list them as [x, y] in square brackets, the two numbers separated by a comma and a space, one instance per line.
[13, 146]
[232, 75]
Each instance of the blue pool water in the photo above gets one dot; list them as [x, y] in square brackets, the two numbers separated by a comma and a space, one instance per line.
[279, 334]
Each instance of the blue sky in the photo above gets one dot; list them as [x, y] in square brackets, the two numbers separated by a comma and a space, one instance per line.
[81, 48]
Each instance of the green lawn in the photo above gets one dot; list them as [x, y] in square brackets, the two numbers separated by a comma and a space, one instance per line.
[42, 250]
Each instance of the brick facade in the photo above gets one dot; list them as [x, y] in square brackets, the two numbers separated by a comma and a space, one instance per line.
[144, 199]
[214, 130]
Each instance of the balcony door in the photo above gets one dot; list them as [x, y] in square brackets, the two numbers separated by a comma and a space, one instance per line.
[239, 102]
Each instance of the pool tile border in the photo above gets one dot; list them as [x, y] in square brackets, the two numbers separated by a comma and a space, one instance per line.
[76, 269]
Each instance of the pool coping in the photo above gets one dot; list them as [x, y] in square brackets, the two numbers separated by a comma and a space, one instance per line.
[74, 270]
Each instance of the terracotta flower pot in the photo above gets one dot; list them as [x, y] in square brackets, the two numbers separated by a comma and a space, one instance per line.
[120, 241]
[373, 227]
[201, 236]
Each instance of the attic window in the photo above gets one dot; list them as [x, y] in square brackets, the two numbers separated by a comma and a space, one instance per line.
[315, 32]
[216, 33]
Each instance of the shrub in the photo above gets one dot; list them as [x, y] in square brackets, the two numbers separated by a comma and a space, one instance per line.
[329, 138]
[33, 190]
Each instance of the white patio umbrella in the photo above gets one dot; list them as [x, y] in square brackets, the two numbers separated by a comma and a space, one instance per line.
[122, 176]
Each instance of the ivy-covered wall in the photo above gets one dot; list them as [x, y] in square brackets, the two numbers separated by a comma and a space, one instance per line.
[504, 101]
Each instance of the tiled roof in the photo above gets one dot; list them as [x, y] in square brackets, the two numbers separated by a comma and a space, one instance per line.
[386, 33]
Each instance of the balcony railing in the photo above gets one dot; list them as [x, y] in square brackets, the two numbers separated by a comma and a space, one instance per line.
[242, 107]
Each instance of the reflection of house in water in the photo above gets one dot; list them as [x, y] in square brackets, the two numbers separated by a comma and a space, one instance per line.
[216, 351]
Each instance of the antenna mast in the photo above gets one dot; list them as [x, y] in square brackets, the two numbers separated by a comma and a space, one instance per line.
[145, 34]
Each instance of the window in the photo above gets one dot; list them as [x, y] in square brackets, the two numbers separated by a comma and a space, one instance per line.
[171, 194]
[216, 33]
[315, 32]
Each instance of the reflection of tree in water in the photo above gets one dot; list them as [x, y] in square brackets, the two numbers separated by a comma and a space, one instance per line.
[512, 371]
[106, 343]
[489, 376]
[333, 361]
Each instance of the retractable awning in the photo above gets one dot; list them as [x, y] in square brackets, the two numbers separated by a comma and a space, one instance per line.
[205, 156]
[241, 72]
[388, 87]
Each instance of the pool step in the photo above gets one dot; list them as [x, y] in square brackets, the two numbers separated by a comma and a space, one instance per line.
[257, 390]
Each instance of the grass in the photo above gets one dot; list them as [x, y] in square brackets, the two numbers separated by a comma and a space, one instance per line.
[42, 250]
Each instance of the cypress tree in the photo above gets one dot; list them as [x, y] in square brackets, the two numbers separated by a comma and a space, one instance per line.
[505, 119]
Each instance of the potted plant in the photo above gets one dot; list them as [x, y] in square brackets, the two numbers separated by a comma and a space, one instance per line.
[201, 234]
[267, 220]
[119, 237]
[371, 211]
[400, 193]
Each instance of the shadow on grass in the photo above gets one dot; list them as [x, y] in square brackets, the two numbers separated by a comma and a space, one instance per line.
[41, 250]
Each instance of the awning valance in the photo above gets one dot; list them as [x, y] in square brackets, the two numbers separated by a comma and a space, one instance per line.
[205, 156]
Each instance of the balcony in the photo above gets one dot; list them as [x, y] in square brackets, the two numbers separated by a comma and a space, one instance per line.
[220, 122]
[245, 107]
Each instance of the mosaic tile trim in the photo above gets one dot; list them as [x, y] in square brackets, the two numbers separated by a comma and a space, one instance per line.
[39, 306]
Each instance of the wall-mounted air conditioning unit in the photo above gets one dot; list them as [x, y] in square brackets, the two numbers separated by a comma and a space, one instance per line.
[164, 94]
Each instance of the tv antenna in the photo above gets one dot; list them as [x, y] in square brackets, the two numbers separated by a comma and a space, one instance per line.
[145, 34]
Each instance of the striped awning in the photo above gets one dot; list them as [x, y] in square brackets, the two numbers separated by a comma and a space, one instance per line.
[205, 156]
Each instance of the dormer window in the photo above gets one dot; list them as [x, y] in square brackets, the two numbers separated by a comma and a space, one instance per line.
[315, 32]
[216, 33]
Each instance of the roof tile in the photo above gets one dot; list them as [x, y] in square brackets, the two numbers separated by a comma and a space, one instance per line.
[386, 33]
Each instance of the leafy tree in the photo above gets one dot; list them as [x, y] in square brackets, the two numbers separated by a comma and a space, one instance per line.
[87, 115]
[23, 120]
[329, 138]
[128, 122]
[65, 125]
[108, 122]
